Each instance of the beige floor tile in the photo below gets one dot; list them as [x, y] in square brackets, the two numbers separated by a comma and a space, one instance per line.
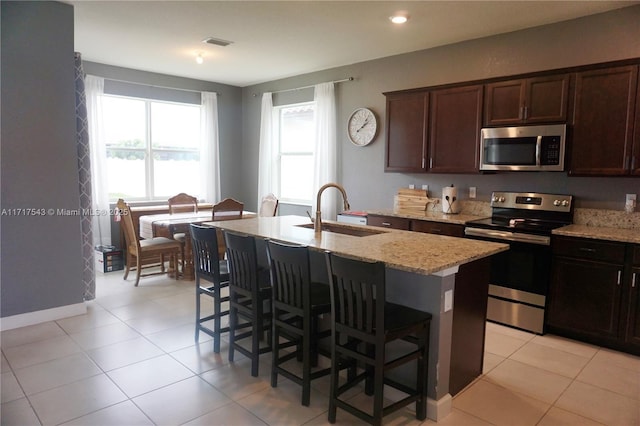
[404, 416]
[628, 361]
[10, 390]
[124, 413]
[550, 359]
[511, 332]
[604, 374]
[30, 334]
[201, 358]
[4, 365]
[230, 414]
[96, 316]
[281, 405]
[235, 380]
[51, 374]
[148, 375]
[105, 335]
[155, 324]
[500, 406]
[189, 399]
[124, 353]
[502, 344]
[41, 351]
[177, 338]
[138, 310]
[567, 345]
[599, 404]
[558, 417]
[491, 361]
[18, 413]
[76, 399]
[459, 418]
[527, 380]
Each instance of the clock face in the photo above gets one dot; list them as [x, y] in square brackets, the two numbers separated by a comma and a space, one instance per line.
[362, 126]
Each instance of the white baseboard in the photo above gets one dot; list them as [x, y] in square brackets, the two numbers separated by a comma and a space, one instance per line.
[438, 410]
[37, 317]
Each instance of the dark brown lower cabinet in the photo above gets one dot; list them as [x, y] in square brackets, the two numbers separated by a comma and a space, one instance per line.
[593, 294]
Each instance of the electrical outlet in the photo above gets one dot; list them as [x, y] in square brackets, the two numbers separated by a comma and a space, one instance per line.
[631, 197]
[425, 187]
[472, 192]
[448, 300]
[412, 186]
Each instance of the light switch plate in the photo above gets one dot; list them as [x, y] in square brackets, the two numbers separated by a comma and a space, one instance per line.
[412, 186]
[472, 192]
[631, 197]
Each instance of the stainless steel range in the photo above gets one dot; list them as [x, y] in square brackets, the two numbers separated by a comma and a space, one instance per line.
[520, 276]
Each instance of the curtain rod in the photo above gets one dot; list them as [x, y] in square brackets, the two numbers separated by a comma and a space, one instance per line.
[308, 87]
[158, 87]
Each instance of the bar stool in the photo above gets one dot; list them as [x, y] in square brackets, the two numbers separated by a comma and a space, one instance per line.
[249, 299]
[210, 269]
[363, 323]
[297, 304]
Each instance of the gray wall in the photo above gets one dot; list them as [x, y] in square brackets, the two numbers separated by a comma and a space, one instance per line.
[599, 38]
[41, 255]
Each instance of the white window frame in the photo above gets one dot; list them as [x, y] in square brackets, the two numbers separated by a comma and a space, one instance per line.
[149, 150]
[277, 126]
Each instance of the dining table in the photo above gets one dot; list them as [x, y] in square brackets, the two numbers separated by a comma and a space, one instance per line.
[167, 225]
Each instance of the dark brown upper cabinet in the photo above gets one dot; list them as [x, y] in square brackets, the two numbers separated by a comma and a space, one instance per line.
[602, 140]
[406, 145]
[455, 120]
[527, 101]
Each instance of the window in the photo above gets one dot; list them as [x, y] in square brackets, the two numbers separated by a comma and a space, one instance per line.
[294, 129]
[152, 148]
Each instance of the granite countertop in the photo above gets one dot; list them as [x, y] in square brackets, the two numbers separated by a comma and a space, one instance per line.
[600, 233]
[432, 215]
[416, 252]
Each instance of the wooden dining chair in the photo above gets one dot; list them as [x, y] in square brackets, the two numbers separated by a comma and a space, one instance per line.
[268, 206]
[146, 253]
[212, 278]
[298, 303]
[363, 322]
[182, 203]
[228, 209]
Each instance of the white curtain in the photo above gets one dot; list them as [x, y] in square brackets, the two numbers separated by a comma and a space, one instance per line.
[101, 224]
[325, 149]
[209, 148]
[266, 162]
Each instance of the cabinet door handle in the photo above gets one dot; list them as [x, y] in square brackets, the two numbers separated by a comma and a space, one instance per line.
[521, 113]
[587, 249]
[386, 224]
[619, 277]
[633, 280]
[423, 162]
[526, 112]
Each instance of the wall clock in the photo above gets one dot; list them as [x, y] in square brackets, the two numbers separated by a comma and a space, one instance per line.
[362, 126]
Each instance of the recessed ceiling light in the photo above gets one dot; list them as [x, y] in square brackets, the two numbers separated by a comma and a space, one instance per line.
[199, 59]
[399, 19]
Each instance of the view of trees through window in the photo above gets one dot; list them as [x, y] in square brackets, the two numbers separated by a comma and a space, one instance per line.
[152, 148]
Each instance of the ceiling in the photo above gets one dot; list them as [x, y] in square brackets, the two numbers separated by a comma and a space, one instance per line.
[279, 39]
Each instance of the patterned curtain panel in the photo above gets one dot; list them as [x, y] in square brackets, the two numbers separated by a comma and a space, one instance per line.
[84, 178]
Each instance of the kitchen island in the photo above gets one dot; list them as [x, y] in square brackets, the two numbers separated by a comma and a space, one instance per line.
[421, 273]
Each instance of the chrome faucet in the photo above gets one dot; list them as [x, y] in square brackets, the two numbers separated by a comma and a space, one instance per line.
[317, 224]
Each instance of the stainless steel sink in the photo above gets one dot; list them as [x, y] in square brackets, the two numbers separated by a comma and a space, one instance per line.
[346, 230]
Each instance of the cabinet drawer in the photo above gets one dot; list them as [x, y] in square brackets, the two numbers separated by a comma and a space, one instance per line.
[430, 227]
[388, 222]
[582, 248]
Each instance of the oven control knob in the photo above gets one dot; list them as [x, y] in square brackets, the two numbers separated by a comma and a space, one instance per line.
[556, 203]
[501, 199]
[565, 203]
[495, 199]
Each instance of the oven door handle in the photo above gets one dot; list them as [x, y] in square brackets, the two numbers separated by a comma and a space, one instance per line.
[508, 236]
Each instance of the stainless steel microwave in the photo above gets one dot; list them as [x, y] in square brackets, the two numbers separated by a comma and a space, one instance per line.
[524, 148]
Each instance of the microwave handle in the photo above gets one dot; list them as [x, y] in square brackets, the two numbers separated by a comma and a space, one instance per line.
[538, 150]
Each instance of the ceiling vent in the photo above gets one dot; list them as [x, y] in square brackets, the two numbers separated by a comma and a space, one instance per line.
[216, 41]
